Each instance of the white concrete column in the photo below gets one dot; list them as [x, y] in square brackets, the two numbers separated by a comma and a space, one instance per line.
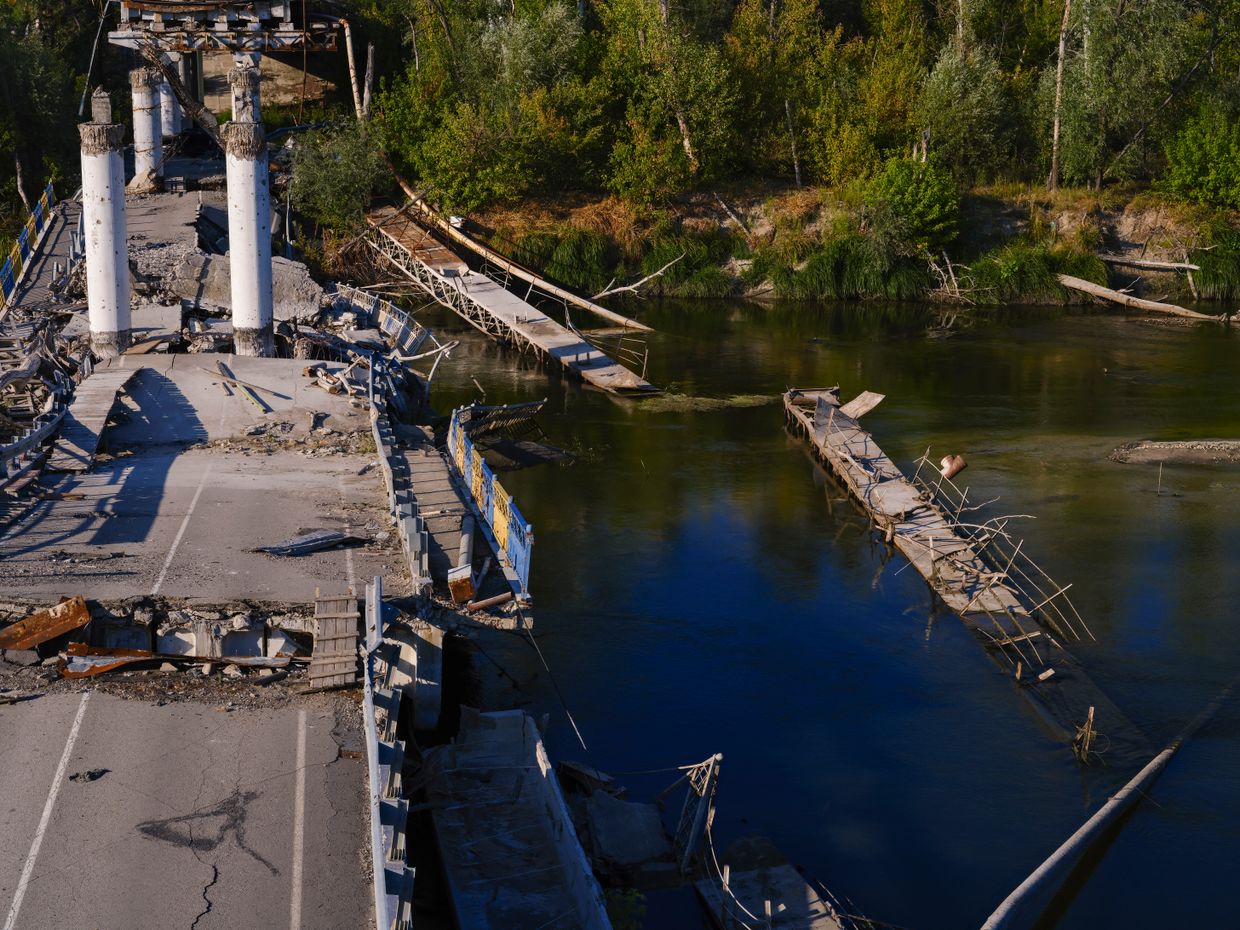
[249, 237]
[148, 150]
[169, 106]
[107, 248]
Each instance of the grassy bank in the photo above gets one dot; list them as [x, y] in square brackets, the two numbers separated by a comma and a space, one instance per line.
[821, 244]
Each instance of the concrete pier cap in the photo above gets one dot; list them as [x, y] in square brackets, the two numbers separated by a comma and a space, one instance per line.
[148, 148]
[103, 214]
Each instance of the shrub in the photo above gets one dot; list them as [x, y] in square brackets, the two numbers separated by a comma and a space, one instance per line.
[1203, 160]
[914, 203]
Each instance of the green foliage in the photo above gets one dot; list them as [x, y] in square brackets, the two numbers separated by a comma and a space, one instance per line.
[1026, 272]
[696, 272]
[915, 203]
[964, 105]
[38, 123]
[1203, 159]
[583, 260]
[335, 173]
[1219, 277]
[855, 266]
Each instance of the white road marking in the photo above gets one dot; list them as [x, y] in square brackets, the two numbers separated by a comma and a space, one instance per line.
[176, 543]
[57, 780]
[299, 822]
[350, 572]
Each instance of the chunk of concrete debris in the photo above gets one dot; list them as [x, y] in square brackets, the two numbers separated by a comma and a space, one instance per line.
[204, 282]
[233, 671]
[23, 657]
[629, 841]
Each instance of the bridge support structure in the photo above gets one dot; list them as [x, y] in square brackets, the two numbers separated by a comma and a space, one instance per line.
[169, 108]
[107, 246]
[148, 148]
[249, 219]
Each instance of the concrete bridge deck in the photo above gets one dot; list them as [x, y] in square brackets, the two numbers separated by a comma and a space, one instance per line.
[184, 492]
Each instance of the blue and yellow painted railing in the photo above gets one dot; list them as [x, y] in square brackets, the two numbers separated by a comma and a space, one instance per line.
[24, 247]
[514, 537]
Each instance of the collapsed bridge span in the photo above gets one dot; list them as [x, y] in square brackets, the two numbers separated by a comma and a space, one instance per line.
[977, 569]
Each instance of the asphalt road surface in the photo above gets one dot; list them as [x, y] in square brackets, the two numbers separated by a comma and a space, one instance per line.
[123, 815]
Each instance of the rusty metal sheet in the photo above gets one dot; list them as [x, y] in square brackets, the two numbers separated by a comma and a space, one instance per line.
[88, 661]
[47, 624]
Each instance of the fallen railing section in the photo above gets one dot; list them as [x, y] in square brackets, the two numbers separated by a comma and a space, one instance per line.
[27, 244]
[385, 756]
[504, 525]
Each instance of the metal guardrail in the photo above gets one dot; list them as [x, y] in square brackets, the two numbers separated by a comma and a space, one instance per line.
[385, 754]
[511, 536]
[409, 524]
[25, 246]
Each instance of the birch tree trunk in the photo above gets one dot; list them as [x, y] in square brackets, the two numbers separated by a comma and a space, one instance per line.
[1052, 183]
[796, 162]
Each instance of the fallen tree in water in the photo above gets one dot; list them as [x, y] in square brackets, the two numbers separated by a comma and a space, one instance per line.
[1127, 300]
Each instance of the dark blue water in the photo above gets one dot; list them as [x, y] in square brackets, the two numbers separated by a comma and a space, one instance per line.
[702, 587]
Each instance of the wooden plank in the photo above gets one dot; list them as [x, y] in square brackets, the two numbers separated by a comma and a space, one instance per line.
[862, 404]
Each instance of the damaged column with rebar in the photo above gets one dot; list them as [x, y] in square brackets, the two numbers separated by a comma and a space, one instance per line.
[107, 249]
[169, 107]
[249, 218]
[148, 147]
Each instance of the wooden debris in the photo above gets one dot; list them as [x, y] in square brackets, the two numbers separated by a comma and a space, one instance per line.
[334, 661]
[1127, 300]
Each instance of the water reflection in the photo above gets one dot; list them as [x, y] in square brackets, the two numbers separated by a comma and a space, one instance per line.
[698, 591]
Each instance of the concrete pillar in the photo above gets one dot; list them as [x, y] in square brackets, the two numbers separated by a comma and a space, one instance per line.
[100, 107]
[107, 248]
[169, 106]
[244, 81]
[148, 150]
[249, 237]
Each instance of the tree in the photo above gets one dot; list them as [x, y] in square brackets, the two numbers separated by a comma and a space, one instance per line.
[965, 106]
[335, 172]
[770, 48]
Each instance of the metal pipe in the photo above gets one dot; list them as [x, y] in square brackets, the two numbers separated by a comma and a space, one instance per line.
[1026, 904]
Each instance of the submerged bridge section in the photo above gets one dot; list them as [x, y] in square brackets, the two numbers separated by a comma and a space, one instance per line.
[491, 308]
[976, 569]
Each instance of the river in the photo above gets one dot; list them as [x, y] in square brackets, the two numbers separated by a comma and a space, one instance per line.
[701, 587]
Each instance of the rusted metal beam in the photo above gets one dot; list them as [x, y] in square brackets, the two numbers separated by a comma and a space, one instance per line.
[38, 628]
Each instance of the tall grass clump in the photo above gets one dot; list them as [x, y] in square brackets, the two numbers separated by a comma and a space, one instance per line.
[698, 273]
[584, 260]
[854, 266]
[1019, 272]
[534, 249]
[1219, 277]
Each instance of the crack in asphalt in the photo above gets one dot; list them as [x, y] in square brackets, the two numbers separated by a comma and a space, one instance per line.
[215, 877]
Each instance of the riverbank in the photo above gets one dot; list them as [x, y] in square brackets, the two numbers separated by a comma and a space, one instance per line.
[765, 241]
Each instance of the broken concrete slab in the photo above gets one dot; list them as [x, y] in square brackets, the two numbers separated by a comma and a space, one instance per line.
[23, 657]
[204, 282]
[629, 841]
